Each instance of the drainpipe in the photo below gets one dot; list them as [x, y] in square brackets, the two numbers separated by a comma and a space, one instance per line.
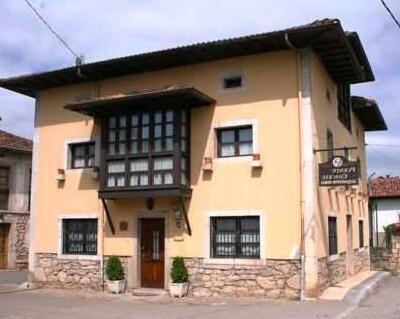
[309, 265]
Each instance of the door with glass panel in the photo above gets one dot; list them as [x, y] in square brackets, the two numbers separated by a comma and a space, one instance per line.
[152, 252]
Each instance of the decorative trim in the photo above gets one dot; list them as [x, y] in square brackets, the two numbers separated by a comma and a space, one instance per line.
[60, 254]
[234, 261]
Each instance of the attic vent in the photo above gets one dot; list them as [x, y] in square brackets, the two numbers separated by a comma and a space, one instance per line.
[232, 81]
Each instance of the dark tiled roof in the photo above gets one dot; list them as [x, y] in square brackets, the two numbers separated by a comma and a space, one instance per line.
[341, 52]
[14, 142]
[385, 187]
[368, 112]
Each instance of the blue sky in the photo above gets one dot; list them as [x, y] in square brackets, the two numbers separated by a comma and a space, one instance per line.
[102, 29]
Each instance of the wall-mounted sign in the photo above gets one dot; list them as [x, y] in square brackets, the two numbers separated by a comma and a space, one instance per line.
[338, 171]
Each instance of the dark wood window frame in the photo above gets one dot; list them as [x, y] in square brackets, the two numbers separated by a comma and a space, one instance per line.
[361, 233]
[344, 105]
[236, 143]
[238, 238]
[231, 82]
[178, 152]
[88, 227]
[332, 235]
[4, 187]
[87, 156]
[330, 143]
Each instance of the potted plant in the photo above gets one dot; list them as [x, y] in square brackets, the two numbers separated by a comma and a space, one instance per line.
[179, 285]
[115, 275]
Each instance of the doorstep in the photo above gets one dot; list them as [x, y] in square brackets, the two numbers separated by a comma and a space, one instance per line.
[148, 292]
[340, 290]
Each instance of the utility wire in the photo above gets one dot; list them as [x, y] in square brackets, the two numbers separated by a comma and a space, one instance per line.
[78, 58]
[390, 12]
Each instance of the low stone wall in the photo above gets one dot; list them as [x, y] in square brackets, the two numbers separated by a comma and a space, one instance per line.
[274, 279]
[66, 273]
[386, 258]
[18, 238]
[361, 260]
[331, 272]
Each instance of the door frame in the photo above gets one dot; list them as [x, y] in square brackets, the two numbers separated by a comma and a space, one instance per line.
[137, 261]
[7, 227]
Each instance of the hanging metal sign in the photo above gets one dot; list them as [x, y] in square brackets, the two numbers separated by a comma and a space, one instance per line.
[338, 171]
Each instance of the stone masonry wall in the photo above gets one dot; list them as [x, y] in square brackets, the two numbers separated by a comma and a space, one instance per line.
[275, 279]
[65, 273]
[361, 260]
[331, 272]
[386, 258]
[18, 238]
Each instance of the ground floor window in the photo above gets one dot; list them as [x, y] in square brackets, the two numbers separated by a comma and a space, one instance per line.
[361, 233]
[80, 236]
[235, 237]
[332, 231]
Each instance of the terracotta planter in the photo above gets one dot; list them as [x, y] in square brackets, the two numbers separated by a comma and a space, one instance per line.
[178, 289]
[116, 286]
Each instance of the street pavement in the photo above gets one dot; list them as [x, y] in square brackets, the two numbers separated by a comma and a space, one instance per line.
[43, 303]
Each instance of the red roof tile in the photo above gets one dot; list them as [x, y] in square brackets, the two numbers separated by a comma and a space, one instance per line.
[11, 141]
[385, 187]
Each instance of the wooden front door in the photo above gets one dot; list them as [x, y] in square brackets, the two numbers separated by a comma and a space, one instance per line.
[152, 252]
[4, 230]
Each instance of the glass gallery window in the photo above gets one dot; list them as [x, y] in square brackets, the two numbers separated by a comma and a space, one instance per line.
[80, 236]
[235, 141]
[147, 149]
[235, 237]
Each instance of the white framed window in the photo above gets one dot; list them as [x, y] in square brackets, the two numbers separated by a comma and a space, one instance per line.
[80, 154]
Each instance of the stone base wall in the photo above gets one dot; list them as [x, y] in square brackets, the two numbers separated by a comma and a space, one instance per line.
[274, 279]
[331, 272]
[66, 273]
[18, 239]
[361, 260]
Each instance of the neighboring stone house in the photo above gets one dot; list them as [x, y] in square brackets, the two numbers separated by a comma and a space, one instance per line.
[210, 152]
[15, 177]
[384, 206]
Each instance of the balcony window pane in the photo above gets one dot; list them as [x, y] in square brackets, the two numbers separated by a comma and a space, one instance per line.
[134, 147]
[135, 120]
[165, 163]
[183, 178]
[168, 179]
[183, 115]
[157, 179]
[158, 117]
[116, 167]
[111, 149]
[228, 150]
[169, 129]
[169, 116]
[121, 180]
[122, 121]
[134, 180]
[169, 144]
[157, 145]
[134, 133]
[112, 122]
[121, 149]
[183, 130]
[110, 181]
[139, 165]
[122, 135]
[145, 118]
[183, 163]
[145, 132]
[157, 131]
[111, 136]
[144, 179]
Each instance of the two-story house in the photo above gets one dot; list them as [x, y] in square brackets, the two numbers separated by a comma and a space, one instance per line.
[15, 179]
[208, 151]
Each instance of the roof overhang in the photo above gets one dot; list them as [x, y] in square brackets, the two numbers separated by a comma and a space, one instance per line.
[341, 53]
[168, 97]
[368, 113]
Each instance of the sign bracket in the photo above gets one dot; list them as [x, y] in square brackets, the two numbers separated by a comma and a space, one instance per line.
[335, 149]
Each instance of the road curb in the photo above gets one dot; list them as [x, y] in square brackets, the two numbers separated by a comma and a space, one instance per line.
[358, 294]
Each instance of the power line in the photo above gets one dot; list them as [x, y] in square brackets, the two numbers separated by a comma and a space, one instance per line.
[390, 12]
[77, 57]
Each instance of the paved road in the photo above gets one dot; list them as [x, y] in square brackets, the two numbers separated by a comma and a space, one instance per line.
[35, 304]
[13, 277]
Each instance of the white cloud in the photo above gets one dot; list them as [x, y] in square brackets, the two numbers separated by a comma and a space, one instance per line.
[103, 29]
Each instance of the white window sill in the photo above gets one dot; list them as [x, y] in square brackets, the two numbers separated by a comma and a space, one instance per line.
[235, 261]
[333, 257]
[234, 159]
[79, 257]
